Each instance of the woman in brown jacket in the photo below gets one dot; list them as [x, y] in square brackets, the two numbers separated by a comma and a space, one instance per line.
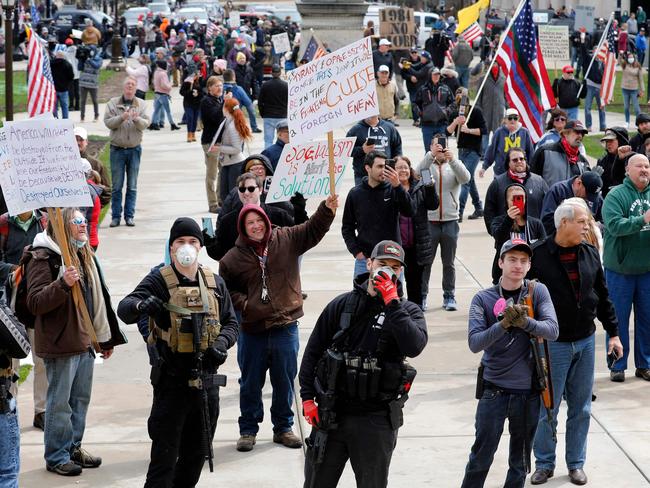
[62, 341]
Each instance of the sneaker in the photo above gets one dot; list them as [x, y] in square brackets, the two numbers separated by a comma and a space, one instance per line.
[449, 304]
[115, 223]
[129, 221]
[257, 131]
[288, 439]
[39, 420]
[478, 214]
[246, 443]
[617, 376]
[68, 469]
[84, 459]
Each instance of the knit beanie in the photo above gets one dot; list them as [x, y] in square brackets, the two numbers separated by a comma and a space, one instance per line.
[185, 226]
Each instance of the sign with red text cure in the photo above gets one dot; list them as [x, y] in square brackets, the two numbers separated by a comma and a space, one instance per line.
[332, 91]
[303, 168]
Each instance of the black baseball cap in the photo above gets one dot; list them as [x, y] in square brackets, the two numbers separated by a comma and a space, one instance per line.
[593, 184]
[577, 126]
[388, 250]
[642, 118]
[515, 245]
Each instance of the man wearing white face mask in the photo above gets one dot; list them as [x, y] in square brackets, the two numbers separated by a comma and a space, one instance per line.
[168, 295]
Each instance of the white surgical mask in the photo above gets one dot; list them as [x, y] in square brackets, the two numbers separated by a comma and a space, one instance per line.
[630, 60]
[77, 243]
[186, 255]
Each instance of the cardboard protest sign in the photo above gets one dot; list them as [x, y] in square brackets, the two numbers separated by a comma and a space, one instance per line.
[554, 43]
[304, 168]
[332, 91]
[42, 167]
[584, 17]
[281, 43]
[234, 19]
[398, 26]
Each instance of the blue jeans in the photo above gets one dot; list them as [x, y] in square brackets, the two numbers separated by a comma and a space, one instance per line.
[428, 131]
[9, 448]
[630, 96]
[463, 75]
[70, 381]
[160, 108]
[62, 100]
[572, 375]
[275, 350]
[251, 116]
[627, 291]
[192, 118]
[360, 267]
[125, 48]
[470, 160]
[124, 161]
[493, 409]
[269, 130]
[571, 113]
[594, 93]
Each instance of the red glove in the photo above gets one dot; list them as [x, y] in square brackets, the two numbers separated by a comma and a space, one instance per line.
[310, 412]
[386, 287]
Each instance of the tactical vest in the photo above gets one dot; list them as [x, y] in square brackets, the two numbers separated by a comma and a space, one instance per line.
[184, 301]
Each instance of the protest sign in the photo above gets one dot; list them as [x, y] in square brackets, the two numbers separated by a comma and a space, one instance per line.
[398, 26]
[304, 168]
[584, 17]
[234, 19]
[42, 167]
[281, 43]
[332, 91]
[554, 43]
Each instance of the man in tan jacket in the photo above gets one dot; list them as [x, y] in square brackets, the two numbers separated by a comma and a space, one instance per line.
[91, 34]
[387, 95]
[126, 117]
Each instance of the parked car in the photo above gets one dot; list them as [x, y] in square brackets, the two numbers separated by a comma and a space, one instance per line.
[159, 8]
[66, 19]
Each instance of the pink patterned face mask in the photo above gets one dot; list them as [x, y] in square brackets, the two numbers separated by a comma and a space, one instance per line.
[499, 307]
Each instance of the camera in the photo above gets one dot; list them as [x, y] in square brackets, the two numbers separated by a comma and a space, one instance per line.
[83, 53]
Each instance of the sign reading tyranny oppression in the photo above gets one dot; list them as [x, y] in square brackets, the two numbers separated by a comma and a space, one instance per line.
[42, 167]
[304, 168]
[332, 91]
[397, 25]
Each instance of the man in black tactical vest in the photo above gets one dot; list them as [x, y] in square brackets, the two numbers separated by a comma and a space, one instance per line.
[354, 379]
[192, 325]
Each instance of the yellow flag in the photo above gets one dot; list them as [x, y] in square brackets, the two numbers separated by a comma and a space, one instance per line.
[469, 15]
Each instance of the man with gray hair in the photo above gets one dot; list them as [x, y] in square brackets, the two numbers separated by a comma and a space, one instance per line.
[626, 215]
[570, 268]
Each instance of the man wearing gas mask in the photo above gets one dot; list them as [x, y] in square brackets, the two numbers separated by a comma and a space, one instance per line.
[354, 379]
[192, 324]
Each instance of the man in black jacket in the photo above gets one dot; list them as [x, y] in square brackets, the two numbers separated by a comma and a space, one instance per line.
[272, 103]
[63, 76]
[565, 90]
[643, 125]
[617, 143]
[571, 270]
[414, 72]
[375, 328]
[274, 151]
[518, 172]
[372, 210]
[436, 104]
[382, 55]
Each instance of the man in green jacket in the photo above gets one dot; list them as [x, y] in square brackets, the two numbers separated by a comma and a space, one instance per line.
[626, 213]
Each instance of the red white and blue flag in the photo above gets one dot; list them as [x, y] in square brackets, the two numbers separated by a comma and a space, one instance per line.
[314, 50]
[41, 94]
[211, 29]
[607, 55]
[472, 33]
[527, 86]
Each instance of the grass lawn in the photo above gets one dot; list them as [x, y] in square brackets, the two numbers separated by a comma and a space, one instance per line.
[104, 158]
[593, 146]
[20, 90]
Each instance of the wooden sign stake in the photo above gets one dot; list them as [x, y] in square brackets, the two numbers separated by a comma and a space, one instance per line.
[330, 150]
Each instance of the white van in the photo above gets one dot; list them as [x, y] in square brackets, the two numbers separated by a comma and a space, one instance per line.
[423, 20]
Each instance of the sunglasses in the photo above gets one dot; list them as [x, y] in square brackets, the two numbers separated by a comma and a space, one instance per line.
[516, 160]
[513, 117]
[79, 221]
[559, 119]
[251, 189]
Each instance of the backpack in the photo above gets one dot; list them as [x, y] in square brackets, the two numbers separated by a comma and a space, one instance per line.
[16, 287]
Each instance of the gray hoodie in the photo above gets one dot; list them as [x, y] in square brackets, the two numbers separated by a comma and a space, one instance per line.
[448, 178]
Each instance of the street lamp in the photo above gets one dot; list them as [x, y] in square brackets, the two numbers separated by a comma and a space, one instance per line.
[8, 10]
[117, 61]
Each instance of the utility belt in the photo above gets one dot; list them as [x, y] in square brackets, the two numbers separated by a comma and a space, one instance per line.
[483, 384]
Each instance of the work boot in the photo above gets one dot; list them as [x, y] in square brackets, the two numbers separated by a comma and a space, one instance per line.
[478, 214]
[541, 476]
[617, 376]
[39, 420]
[288, 439]
[246, 443]
[84, 459]
[175, 127]
[129, 221]
[577, 476]
[68, 469]
[643, 373]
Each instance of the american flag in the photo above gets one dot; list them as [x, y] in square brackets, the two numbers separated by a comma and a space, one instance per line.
[452, 45]
[607, 54]
[473, 32]
[36, 17]
[527, 87]
[314, 50]
[211, 29]
[41, 95]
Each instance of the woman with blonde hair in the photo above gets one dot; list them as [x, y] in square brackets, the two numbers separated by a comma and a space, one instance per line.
[234, 132]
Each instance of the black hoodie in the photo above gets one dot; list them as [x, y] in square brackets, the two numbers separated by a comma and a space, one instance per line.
[388, 141]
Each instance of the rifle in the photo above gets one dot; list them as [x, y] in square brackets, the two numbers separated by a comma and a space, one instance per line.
[326, 403]
[196, 381]
[542, 364]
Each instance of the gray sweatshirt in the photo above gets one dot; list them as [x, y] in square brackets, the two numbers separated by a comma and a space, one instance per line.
[507, 354]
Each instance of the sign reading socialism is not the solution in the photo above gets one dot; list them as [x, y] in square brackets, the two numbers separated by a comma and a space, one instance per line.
[332, 91]
[303, 168]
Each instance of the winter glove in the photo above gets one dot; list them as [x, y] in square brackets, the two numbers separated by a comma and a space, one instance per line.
[522, 311]
[217, 353]
[386, 287]
[310, 412]
[208, 240]
[152, 306]
[514, 316]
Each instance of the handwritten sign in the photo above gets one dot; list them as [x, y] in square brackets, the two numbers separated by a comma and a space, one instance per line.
[332, 91]
[41, 166]
[281, 43]
[554, 42]
[234, 19]
[398, 26]
[304, 168]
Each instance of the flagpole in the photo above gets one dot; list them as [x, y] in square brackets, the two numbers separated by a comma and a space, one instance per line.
[600, 43]
[501, 41]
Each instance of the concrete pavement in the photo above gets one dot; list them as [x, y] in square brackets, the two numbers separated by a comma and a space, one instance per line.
[435, 441]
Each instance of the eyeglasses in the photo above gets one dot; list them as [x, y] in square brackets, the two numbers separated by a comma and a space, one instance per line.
[79, 221]
[516, 160]
[251, 189]
[513, 117]
[559, 119]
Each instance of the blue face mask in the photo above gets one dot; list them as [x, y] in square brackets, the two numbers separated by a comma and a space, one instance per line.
[77, 243]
